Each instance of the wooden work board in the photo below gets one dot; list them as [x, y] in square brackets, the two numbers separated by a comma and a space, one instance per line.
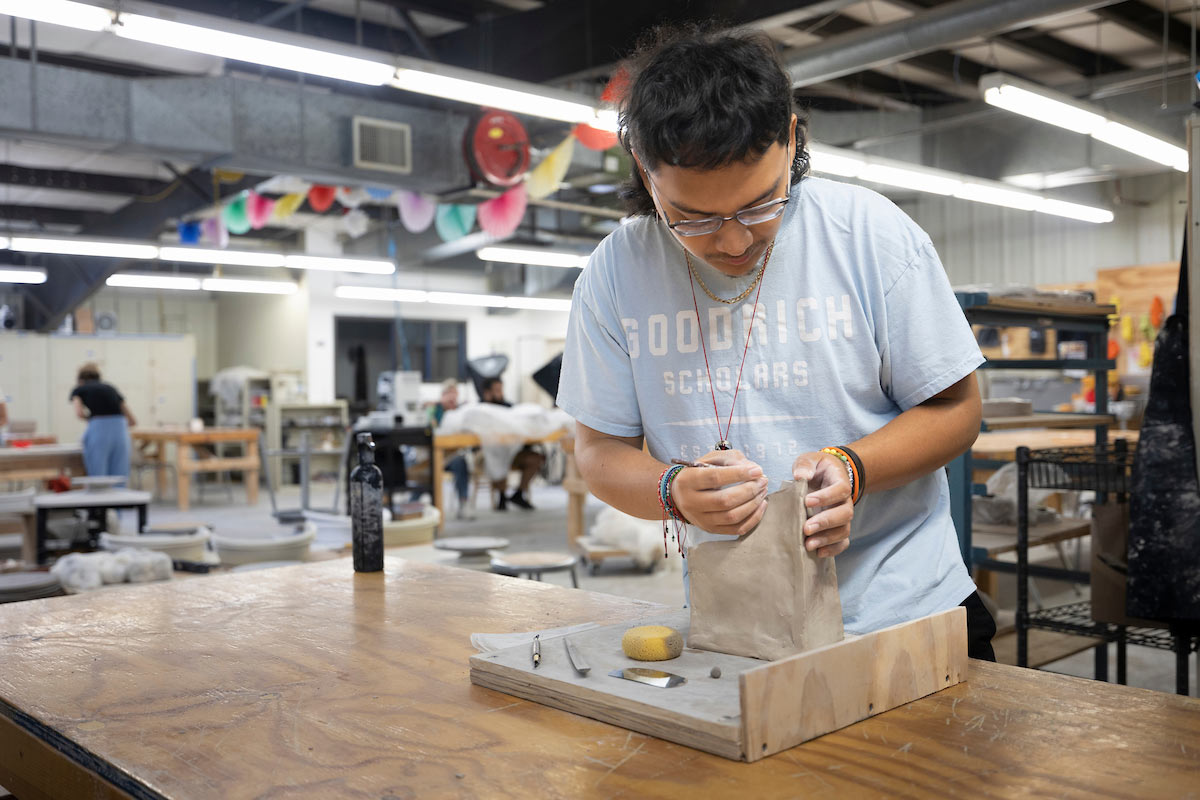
[755, 708]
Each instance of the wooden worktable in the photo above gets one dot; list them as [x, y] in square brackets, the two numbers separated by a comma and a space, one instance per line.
[186, 464]
[40, 461]
[1002, 445]
[311, 681]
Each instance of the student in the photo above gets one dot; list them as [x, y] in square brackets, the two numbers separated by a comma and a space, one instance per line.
[106, 439]
[457, 464]
[528, 462]
[752, 316]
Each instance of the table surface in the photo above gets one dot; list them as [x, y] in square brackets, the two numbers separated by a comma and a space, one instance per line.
[1002, 445]
[82, 498]
[312, 681]
[185, 435]
[39, 450]
[455, 441]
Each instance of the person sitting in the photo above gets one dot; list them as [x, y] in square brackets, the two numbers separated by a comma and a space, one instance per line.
[528, 462]
[457, 465]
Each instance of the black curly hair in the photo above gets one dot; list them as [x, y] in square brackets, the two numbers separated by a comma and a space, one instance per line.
[703, 97]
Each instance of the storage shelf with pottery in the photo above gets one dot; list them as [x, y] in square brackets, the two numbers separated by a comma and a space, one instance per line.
[285, 422]
[754, 708]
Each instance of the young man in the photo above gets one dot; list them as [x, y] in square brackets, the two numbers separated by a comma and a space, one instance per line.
[528, 462]
[752, 316]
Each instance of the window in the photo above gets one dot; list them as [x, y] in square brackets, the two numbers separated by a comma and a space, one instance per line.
[435, 348]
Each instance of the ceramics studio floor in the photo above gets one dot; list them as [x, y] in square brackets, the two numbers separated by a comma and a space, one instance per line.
[545, 529]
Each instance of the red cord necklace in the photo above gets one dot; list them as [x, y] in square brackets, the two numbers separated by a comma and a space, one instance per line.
[723, 437]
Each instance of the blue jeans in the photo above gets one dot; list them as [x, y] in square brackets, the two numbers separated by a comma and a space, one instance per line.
[106, 446]
[462, 476]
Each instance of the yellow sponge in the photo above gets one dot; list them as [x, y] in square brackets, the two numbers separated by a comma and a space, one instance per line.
[652, 643]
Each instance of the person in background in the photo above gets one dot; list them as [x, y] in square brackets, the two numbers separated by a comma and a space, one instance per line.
[528, 462]
[457, 465]
[3, 416]
[106, 440]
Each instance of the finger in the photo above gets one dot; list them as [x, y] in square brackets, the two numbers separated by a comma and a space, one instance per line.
[724, 458]
[829, 538]
[708, 478]
[829, 495]
[804, 467]
[719, 501]
[745, 518]
[833, 549]
[832, 517]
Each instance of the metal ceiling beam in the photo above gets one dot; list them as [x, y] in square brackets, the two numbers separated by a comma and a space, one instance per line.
[922, 33]
[1148, 22]
[44, 215]
[566, 38]
[63, 179]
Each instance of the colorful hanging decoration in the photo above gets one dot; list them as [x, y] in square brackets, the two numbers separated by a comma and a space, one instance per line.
[416, 210]
[454, 221]
[287, 205]
[212, 230]
[320, 198]
[501, 215]
[594, 138]
[235, 216]
[355, 223]
[352, 198]
[259, 208]
[543, 180]
[189, 232]
[1157, 311]
[379, 194]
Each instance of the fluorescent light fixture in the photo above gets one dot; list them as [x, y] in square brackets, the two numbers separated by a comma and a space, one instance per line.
[371, 266]
[944, 182]
[996, 196]
[910, 178]
[539, 303]
[533, 255]
[153, 280]
[377, 293]
[236, 258]
[253, 49]
[1062, 110]
[22, 275]
[3, 242]
[249, 286]
[829, 161]
[59, 12]
[84, 247]
[483, 94]
[462, 299]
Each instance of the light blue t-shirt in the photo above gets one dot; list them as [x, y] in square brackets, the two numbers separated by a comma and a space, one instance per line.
[856, 323]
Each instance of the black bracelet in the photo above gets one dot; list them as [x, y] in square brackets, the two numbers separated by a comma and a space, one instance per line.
[858, 468]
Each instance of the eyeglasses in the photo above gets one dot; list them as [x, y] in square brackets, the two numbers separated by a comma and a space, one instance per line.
[755, 215]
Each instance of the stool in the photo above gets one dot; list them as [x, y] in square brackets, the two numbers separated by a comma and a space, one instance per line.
[533, 564]
[471, 546]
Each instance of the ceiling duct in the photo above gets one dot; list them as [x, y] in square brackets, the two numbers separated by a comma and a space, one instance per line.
[936, 29]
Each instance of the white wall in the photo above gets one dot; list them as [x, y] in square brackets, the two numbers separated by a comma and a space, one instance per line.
[262, 330]
[149, 311]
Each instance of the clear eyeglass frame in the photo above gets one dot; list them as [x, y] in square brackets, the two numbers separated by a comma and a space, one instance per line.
[755, 215]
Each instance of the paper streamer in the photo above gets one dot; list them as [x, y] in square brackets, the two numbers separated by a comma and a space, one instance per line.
[236, 219]
[501, 215]
[287, 205]
[320, 198]
[352, 198]
[213, 231]
[378, 193]
[259, 208]
[453, 221]
[416, 210]
[543, 180]
[594, 138]
[355, 223]
[189, 232]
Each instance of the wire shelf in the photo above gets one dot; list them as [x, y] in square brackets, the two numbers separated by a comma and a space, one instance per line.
[1105, 468]
[1076, 618]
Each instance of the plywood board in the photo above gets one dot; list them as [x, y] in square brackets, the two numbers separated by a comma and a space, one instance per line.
[808, 695]
[755, 708]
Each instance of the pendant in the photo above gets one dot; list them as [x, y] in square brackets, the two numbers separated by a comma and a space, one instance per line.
[723, 445]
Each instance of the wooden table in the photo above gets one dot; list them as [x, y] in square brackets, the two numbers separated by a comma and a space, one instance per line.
[40, 462]
[445, 444]
[186, 463]
[312, 681]
[1002, 445]
[96, 504]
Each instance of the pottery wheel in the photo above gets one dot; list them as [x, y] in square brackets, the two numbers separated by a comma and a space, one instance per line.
[468, 546]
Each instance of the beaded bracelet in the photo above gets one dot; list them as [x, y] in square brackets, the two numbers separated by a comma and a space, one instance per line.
[670, 511]
[851, 471]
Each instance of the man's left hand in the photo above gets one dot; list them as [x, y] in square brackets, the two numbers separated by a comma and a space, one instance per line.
[827, 531]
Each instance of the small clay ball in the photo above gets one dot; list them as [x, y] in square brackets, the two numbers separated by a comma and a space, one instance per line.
[715, 672]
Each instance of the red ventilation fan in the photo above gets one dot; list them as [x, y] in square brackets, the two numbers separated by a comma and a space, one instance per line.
[497, 148]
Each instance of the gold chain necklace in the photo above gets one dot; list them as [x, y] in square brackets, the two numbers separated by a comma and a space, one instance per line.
[688, 258]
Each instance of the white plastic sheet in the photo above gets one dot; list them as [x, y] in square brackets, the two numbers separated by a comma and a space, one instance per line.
[503, 430]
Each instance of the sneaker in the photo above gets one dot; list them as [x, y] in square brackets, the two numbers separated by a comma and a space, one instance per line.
[518, 500]
[464, 513]
[503, 504]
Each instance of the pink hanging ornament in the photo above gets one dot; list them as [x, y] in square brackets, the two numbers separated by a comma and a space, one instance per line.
[500, 216]
[259, 208]
[212, 230]
[416, 210]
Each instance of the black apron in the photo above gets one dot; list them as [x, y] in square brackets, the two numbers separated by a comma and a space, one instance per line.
[1164, 507]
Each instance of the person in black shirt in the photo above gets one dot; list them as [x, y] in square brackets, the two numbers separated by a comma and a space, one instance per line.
[106, 440]
[528, 461]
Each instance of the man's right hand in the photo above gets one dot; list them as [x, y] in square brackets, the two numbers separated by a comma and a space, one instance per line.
[729, 498]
